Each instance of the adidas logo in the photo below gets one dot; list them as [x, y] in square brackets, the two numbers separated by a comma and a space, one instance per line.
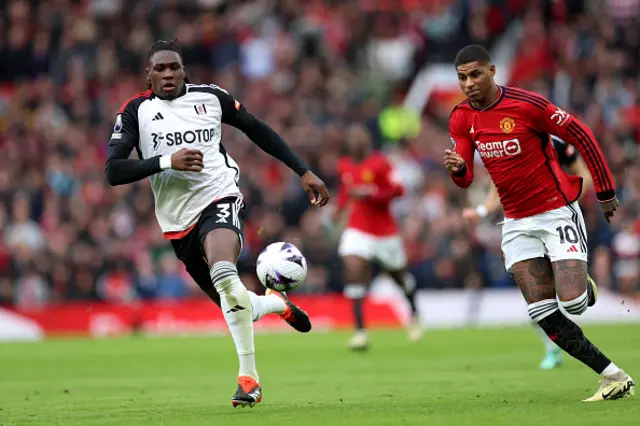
[157, 117]
[572, 249]
[255, 394]
[236, 309]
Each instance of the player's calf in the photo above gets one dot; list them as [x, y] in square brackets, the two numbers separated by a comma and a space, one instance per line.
[221, 248]
[407, 282]
[356, 271]
[356, 293]
[535, 279]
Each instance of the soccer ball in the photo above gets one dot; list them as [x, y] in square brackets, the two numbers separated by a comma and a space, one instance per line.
[281, 267]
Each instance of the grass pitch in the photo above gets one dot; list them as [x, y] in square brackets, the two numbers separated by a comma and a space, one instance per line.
[453, 377]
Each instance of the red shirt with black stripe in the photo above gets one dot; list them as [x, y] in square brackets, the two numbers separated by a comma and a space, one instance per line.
[512, 138]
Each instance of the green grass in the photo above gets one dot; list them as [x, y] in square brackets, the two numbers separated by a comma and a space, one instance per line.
[457, 378]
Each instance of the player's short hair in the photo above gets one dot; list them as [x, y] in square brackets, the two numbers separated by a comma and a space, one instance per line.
[160, 45]
[472, 53]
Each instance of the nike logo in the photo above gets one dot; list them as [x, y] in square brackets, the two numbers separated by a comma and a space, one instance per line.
[607, 395]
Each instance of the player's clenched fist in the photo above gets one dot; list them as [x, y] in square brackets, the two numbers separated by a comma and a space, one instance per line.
[187, 160]
[453, 161]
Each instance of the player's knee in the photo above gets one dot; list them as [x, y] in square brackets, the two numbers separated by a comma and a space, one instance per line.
[577, 305]
[542, 309]
[355, 291]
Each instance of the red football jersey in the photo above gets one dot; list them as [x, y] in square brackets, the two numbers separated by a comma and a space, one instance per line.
[512, 138]
[370, 214]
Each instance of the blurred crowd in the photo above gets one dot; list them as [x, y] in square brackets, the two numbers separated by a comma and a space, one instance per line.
[307, 68]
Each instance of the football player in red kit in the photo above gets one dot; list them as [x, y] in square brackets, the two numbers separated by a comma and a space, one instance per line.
[543, 234]
[574, 165]
[367, 187]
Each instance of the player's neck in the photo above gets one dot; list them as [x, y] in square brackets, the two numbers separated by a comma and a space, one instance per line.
[491, 99]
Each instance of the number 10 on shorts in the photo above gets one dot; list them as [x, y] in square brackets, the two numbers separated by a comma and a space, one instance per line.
[567, 234]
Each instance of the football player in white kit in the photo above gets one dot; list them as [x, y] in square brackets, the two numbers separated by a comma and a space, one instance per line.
[176, 129]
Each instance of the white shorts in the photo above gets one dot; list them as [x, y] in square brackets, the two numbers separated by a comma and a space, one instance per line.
[557, 234]
[388, 251]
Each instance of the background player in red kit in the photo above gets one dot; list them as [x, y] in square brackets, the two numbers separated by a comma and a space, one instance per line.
[367, 187]
[543, 235]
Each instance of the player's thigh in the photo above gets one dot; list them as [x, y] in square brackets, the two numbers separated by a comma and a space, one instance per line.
[570, 278]
[519, 242]
[354, 242]
[356, 251]
[390, 254]
[564, 235]
[220, 230]
[535, 279]
[524, 257]
[356, 269]
[189, 252]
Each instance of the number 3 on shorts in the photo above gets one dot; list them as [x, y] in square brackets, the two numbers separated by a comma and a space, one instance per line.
[568, 234]
[223, 213]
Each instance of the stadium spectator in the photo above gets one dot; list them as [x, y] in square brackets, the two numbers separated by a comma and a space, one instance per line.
[309, 68]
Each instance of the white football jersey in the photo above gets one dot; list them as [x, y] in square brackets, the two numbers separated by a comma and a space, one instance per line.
[193, 120]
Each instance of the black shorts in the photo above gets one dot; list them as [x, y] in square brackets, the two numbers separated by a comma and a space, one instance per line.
[226, 213]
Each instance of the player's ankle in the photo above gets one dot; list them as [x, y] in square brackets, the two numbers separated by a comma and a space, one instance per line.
[618, 377]
[251, 375]
[613, 372]
[278, 304]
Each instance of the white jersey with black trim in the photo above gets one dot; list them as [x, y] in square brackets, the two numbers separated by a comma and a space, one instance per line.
[156, 128]
[193, 121]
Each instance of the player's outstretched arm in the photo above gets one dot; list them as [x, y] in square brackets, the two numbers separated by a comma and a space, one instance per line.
[234, 114]
[551, 119]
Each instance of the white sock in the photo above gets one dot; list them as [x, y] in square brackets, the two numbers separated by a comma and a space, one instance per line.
[238, 313]
[549, 345]
[263, 305]
[578, 305]
[610, 370]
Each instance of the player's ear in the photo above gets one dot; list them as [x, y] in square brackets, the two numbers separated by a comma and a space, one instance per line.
[492, 70]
